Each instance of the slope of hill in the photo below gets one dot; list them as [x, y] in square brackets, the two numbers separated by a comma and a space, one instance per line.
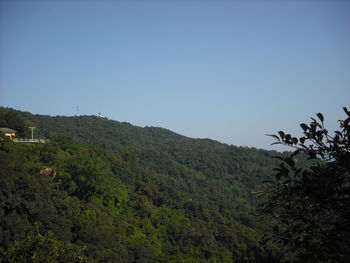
[132, 194]
[157, 147]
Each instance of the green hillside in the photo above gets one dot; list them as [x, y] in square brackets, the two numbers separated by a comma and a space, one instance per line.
[114, 192]
[158, 148]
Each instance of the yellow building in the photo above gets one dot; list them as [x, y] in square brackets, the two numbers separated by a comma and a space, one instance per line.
[8, 132]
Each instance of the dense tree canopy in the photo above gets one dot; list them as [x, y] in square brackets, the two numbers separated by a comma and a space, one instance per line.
[10, 119]
[38, 248]
[131, 194]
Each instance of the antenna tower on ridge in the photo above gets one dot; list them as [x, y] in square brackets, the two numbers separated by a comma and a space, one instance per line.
[77, 111]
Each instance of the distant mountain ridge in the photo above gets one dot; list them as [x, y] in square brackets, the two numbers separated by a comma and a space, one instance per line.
[122, 136]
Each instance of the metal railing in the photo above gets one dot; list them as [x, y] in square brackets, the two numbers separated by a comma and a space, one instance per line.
[24, 140]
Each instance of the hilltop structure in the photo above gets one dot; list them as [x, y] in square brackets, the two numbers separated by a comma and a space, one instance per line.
[101, 115]
[10, 133]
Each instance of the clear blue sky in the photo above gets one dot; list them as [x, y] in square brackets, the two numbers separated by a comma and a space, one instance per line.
[227, 70]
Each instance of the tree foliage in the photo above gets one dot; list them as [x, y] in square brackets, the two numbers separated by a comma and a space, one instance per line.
[38, 248]
[314, 201]
[10, 119]
[131, 194]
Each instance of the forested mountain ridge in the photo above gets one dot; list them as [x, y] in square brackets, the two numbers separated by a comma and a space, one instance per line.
[131, 194]
[154, 144]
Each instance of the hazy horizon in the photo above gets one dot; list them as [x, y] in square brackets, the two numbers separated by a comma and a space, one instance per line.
[231, 71]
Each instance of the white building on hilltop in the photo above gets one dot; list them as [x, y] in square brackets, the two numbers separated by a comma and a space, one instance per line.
[101, 115]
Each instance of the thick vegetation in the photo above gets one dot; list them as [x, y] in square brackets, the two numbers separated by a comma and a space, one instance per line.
[104, 191]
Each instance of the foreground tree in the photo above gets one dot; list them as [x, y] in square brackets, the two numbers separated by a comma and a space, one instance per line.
[313, 202]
